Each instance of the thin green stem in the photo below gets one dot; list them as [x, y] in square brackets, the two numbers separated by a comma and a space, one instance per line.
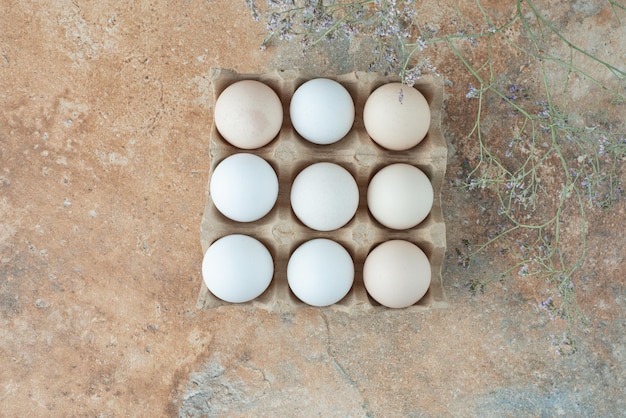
[616, 71]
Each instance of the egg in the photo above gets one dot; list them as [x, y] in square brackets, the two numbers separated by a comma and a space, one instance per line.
[324, 196]
[248, 114]
[396, 274]
[320, 272]
[244, 187]
[322, 111]
[237, 268]
[396, 116]
[400, 196]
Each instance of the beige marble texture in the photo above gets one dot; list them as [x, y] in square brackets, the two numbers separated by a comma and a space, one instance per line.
[104, 128]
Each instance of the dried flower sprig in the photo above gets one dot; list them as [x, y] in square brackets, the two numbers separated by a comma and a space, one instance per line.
[387, 24]
[551, 168]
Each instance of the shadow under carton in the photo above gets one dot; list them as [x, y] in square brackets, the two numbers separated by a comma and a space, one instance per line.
[281, 232]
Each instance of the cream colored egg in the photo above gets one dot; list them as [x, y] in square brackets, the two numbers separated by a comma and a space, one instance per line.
[397, 274]
[248, 114]
[396, 116]
[400, 196]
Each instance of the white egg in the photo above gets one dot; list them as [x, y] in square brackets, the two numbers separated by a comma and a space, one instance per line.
[244, 187]
[397, 274]
[322, 111]
[400, 196]
[237, 268]
[324, 196]
[320, 272]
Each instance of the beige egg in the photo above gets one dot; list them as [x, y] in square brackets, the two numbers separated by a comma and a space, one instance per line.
[397, 274]
[400, 196]
[396, 116]
[248, 114]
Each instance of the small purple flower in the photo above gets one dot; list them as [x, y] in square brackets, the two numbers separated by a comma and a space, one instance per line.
[472, 92]
[411, 76]
[513, 90]
[547, 304]
[422, 44]
[523, 271]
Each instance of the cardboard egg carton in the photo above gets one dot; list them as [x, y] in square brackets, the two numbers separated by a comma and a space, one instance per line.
[280, 230]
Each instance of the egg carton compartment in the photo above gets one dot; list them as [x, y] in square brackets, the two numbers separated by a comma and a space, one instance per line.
[282, 232]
